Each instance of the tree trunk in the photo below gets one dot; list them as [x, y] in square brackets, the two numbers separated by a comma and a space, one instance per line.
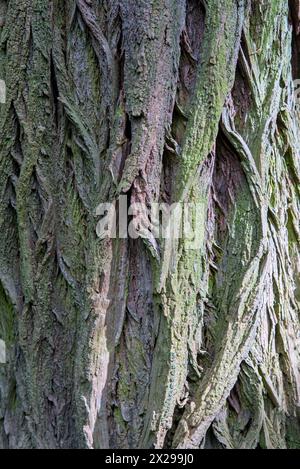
[131, 343]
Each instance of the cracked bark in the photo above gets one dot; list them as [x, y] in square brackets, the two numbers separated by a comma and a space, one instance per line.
[118, 343]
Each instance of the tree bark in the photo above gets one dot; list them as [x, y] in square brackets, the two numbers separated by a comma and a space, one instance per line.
[120, 343]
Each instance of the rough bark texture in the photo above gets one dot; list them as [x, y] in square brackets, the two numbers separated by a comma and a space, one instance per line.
[119, 343]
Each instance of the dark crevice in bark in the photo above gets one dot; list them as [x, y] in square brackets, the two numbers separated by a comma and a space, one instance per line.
[17, 152]
[294, 6]
[191, 43]
[228, 179]
[29, 63]
[195, 22]
[234, 399]
[211, 441]
[242, 97]
[120, 55]
[178, 413]
[131, 361]
[54, 89]
[128, 130]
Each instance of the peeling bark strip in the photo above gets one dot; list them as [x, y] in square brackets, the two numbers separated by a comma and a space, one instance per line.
[107, 344]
